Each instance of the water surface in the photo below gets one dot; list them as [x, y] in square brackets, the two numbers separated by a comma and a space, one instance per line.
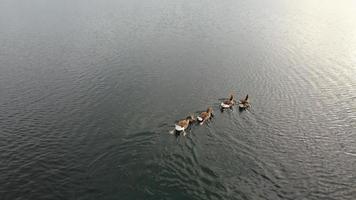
[89, 91]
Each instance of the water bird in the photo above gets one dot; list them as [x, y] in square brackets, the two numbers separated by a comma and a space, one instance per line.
[183, 124]
[243, 103]
[206, 115]
[228, 103]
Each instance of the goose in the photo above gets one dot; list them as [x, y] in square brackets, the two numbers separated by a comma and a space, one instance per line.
[183, 124]
[243, 103]
[228, 103]
[208, 114]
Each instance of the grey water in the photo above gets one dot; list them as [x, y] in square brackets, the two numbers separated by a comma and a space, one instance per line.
[90, 90]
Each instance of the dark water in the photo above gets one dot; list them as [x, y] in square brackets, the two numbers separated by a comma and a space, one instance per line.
[89, 91]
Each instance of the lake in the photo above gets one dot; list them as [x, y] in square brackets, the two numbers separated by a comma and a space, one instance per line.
[90, 90]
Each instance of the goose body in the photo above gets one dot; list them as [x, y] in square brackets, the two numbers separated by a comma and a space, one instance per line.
[183, 124]
[205, 115]
[228, 103]
[179, 128]
[225, 105]
[243, 103]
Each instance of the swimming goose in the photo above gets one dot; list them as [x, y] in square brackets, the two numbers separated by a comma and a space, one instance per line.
[244, 103]
[184, 124]
[228, 103]
[208, 114]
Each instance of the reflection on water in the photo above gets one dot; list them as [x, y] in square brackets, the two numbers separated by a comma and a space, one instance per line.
[90, 90]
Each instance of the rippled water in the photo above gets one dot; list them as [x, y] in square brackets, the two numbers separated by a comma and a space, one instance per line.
[89, 91]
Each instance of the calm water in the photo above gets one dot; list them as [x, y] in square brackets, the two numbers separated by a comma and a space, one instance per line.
[89, 91]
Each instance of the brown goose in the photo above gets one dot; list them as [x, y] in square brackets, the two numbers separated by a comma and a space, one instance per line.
[205, 115]
[243, 103]
[228, 103]
[183, 124]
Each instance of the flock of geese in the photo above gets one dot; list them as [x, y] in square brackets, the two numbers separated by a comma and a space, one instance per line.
[183, 124]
